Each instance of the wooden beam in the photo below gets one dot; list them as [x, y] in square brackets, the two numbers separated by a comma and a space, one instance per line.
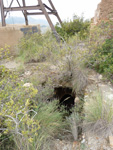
[22, 8]
[40, 13]
[48, 7]
[49, 20]
[25, 12]
[46, 15]
[42, 7]
[2, 13]
[57, 15]
[9, 7]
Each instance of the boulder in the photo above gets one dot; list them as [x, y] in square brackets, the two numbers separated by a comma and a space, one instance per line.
[104, 11]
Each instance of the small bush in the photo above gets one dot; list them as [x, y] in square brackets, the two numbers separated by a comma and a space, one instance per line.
[6, 142]
[102, 60]
[73, 69]
[26, 123]
[5, 52]
[16, 116]
[76, 26]
[39, 48]
[98, 116]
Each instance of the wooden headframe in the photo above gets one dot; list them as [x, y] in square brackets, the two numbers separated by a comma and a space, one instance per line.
[41, 7]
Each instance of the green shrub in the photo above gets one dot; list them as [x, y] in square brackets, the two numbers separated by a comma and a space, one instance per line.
[98, 115]
[16, 116]
[27, 124]
[39, 48]
[5, 52]
[102, 60]
[76, 26]
[7, 142]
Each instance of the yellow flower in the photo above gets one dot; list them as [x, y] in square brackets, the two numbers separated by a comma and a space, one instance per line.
[6, 131]
[30, 140]
[27, 102]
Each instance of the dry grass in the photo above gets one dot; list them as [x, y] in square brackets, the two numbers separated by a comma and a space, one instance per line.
[98, 116]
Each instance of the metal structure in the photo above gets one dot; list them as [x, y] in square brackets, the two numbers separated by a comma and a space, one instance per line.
[42, 8]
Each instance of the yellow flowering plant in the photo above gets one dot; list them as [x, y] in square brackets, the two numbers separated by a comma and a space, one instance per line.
[16, 115]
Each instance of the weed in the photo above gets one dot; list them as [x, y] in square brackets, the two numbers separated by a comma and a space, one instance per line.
[51, 123]
[5, 52]
[98, 115]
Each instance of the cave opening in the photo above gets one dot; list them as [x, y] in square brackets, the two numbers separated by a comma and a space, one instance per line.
[66, 97]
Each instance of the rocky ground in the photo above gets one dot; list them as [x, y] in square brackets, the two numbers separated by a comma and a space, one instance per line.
[95, 81]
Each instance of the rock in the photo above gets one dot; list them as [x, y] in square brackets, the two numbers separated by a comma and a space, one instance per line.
[111, 141]
[100, 86]
[106, 91]
[110, 96]
[77, 100]
[97, 143]
[83, 141]
[10, 64]
[75, 145]
[28, 85]
[100, 77]
[27, 73]
[53, 67]
[62, 145]
[104, 11]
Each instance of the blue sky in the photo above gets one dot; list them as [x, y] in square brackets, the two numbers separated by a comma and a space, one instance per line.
[65, 8]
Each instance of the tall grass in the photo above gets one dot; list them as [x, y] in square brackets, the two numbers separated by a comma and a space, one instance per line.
[98, 115]
[51, 123]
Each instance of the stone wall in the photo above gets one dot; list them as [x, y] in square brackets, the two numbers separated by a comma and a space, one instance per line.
[11, 34]
[104, 11]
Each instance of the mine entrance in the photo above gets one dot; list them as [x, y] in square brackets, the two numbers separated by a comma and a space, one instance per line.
[66, 97]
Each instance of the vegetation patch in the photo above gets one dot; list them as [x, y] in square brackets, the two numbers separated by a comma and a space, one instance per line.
[103, 59]
[98, 116]
[72, 27]
[30, 117]
[39, 48]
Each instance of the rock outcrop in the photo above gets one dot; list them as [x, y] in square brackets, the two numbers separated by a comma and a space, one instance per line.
[104, 11]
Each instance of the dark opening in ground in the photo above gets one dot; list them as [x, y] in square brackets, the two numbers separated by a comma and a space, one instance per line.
[66, 97]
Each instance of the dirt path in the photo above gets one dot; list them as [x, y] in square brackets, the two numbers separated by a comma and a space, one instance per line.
[10, 64]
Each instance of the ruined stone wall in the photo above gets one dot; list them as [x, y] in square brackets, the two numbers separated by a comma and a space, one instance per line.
[104, 11]
[11, 34]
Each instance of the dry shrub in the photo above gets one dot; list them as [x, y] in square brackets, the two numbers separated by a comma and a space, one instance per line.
[79, 80]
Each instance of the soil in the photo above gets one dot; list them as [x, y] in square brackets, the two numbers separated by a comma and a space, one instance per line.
[44, 70]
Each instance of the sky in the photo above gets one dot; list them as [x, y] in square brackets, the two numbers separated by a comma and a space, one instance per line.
[66, 8]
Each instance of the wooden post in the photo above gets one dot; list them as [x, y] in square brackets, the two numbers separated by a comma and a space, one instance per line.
[25, 12]
[2, 13]
[57, 15]
[46, 15]
[45, 10]
[49, 20]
